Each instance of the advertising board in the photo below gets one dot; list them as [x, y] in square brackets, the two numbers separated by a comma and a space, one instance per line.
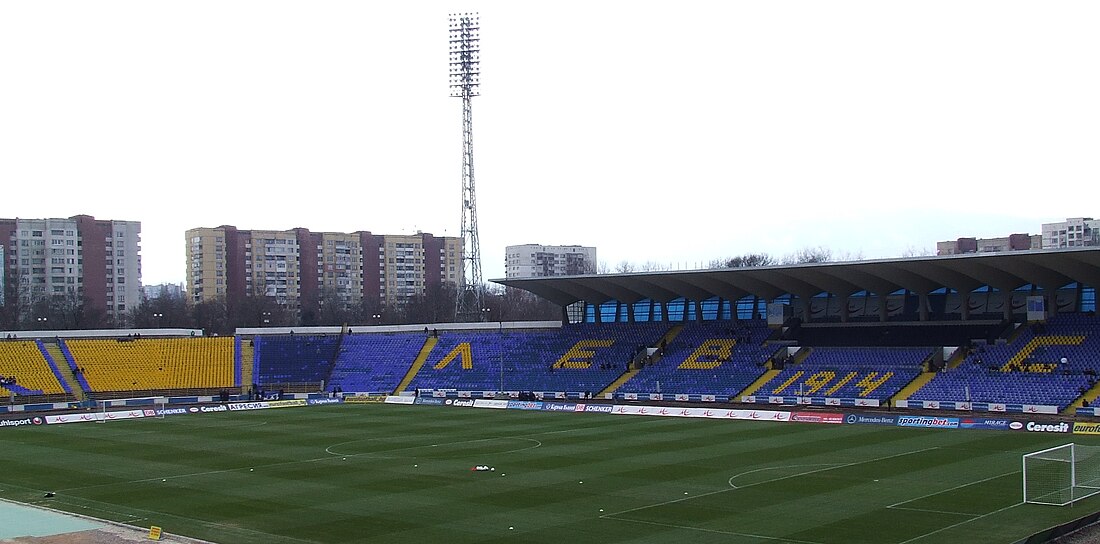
[870, 419]
[601, 408]
[1062, 427]
[13, 423]
[985, 423]
[817, 417]
[929, 422]
[560, 406]
[1086, 428]
[365, 399]
[524, 405]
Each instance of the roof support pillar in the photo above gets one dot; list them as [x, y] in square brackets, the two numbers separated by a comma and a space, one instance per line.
[882, 307]
[964, 304]
[922, 301]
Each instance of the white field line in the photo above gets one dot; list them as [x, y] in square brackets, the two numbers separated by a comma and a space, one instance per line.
[161, 515]
[731, 533]
[734, 488]
[730, 481]
[329, 450]
[960, 486]
[952, 526]
[933, 511]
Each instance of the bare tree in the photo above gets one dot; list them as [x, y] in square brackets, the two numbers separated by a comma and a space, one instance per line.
[807, 255]
[435, 305]
[913, 251]
[654, 266]
[211, 316]
[747, 260]
[166, 310]
[849, 256]
[624, 267]
[519, 305]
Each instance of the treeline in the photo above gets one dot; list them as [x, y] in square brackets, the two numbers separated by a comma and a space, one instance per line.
[222, 316]
[803, 256]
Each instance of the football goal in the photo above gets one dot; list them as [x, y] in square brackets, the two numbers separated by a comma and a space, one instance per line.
[1061, 475]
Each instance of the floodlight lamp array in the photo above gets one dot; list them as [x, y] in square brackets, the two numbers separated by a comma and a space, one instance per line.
[465, 54]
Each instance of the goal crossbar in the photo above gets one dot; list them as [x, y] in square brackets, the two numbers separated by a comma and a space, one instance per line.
[1061, 475]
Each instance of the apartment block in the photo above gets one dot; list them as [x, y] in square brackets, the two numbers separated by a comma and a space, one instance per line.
[300, 269]
[96, 261]
[1012, 242]
[536, 261]
[1073, 232]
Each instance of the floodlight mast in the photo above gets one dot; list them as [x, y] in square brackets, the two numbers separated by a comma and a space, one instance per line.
[465, 65]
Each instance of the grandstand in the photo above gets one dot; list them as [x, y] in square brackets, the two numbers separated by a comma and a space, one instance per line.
[375, 363]
[1050, 364]
[719, 357]
[29, 372]
[128, 365]
[926, 329]
[583, 358]
[294, 359]
[855, 372]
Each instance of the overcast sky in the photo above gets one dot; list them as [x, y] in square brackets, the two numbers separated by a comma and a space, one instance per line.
[671, 132]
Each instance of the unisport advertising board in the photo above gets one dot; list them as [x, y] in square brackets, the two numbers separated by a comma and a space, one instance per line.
[13, 423]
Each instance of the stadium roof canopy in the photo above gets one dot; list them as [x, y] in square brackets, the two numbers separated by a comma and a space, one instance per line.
[1005, 271]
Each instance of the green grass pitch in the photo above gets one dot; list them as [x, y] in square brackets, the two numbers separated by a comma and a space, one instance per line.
[380, 473]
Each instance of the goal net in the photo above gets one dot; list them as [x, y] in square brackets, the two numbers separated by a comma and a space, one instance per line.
[1061, 475]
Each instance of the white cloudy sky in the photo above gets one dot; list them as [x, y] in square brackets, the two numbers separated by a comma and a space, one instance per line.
[672, 132]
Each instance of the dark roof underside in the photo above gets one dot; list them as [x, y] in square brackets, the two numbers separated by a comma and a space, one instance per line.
[1046, 269]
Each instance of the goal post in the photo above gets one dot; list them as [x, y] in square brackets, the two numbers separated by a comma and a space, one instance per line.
[160, 404]
[1061, 475]
[101, 410]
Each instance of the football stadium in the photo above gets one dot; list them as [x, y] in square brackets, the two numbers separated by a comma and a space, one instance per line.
[921, 400]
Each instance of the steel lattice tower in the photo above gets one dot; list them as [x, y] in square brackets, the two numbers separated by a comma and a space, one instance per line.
[465, 64]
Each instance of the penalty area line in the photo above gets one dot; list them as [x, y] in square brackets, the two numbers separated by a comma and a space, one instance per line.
[735, 488]
[960, 486]
[964, 522]
[715, 531]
